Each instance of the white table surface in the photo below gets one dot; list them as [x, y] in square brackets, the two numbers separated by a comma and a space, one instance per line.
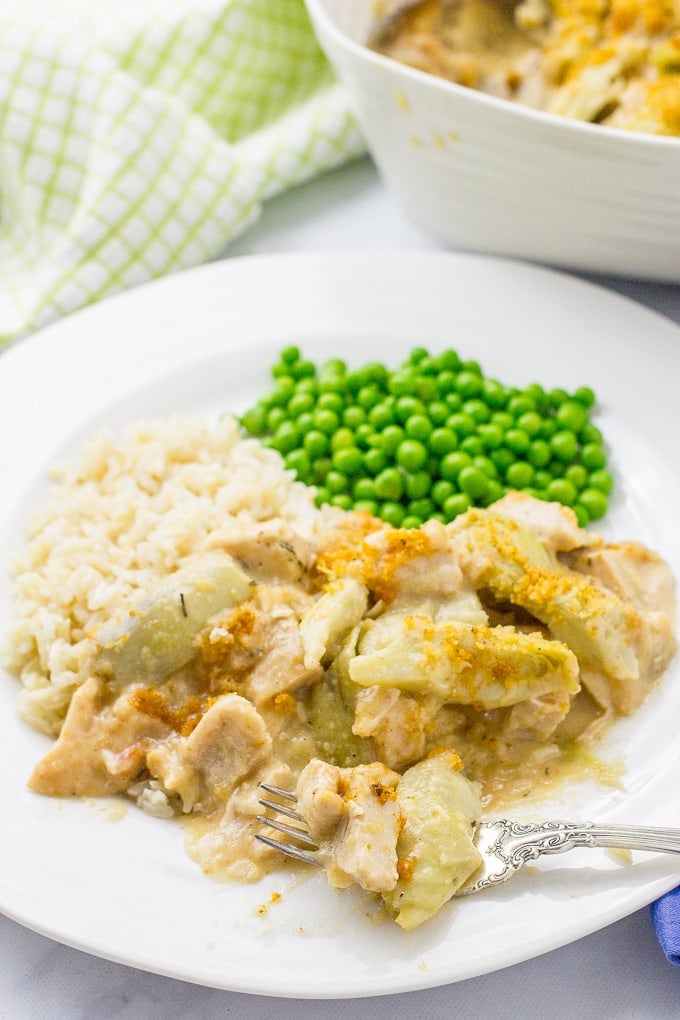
[619, 972]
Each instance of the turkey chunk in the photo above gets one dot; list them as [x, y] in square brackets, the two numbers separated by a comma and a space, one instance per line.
[354, 816]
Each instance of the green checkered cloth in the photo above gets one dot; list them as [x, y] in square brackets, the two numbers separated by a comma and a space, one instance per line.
[139, 137]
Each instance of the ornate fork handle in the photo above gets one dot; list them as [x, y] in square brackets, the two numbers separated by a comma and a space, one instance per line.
[507, 846]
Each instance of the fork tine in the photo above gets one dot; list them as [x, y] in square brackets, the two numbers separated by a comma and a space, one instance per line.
[281, 809]
[289, 830]
[286, 794]
[290, 850]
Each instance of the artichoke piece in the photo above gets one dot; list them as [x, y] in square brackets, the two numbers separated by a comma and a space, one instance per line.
[331, 713]
[156, 638]
[600, 628]
[339, 609]
[488, 667]
[435, 849]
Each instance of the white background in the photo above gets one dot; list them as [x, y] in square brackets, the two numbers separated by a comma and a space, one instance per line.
[619, 972]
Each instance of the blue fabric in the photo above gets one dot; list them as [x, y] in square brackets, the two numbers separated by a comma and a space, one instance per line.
[666, 919]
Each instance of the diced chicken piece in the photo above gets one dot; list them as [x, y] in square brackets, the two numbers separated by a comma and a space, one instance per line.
[268, 554]
[553, 523]
[393, 563]
[102, 745]
[203, 769]
[354, 815]
[257, 649]
[395, 723]
[328, 622]
[632, 571]
[318, 799]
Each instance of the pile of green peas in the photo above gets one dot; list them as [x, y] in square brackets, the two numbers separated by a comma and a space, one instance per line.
[431, 438]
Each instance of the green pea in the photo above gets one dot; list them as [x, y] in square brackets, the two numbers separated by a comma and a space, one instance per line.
[469, 384]
[381, 415]
[585, 396]
[341, 439]
[299, 462]
[364, 488]
[494, 491]
[503, 420]
[472, 445]
[418, 484]
[442, 440]
[539, 453]
[530, 422]
[454, 400]
[438, 411]
[462, 424]
[473, 482]
[375, 460]
[342, 500]
[407, 406]
[336, 482]
[334, 366]
[411, 521]
[389, 484]
[557, 397]
[299, 403]
[564, 445]
[353, 416]
[417, 354]
[456, 504]
[392, 513]
[571, 415]
[368, 396]
[321, 467]
[453, 463]
[591, 434]
[411, 454]
[322, 495]
[494, 394]
[422, 508]
[477, 409]
[540, 398]
[593, 456]
[519, 475]
[502, 458]
[577, 475]
[275, 417]
[326, 420]
[446, 383]
[290, 354]
[305, 422]
[595, 503]
[254, 421]
[316, 443]
[449, 360]
[562, 490]
[582, 515]
[363, 435]
[520, 404]
[542, 479]
[485, 464]
[300, 369]
[491, 435]
[441, 491]
[368, 505]
[418, 426]
[601, 480]
[391, 437]
[286, 437]
[517, 440]
[348, 461]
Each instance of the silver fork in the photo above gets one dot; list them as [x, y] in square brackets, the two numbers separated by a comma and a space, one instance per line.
[505, 846]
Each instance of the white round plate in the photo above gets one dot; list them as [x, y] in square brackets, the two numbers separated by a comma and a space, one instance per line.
[117, 883]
